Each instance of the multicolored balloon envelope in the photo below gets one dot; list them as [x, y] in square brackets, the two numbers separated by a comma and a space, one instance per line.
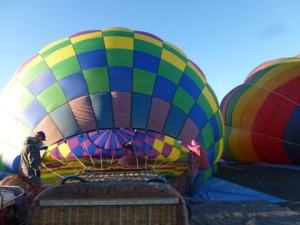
[158, 147]
[111, 143]
[262, 116]
[94, 91]
[104, 143]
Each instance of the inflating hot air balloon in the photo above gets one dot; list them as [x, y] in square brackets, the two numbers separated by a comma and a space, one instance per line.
[262, 116]
[96, 91]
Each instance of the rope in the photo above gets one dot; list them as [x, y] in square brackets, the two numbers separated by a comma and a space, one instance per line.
[146, 151]
[136, 158]
[160, 167]
[78, 160]
[53, 172]
[89, 154]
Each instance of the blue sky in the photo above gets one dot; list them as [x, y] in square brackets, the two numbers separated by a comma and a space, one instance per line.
[225, 38]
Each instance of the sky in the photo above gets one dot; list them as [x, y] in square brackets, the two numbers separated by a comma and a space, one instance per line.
[227, 39]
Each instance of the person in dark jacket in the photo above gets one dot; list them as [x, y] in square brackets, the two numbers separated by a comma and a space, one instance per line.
[31, 161]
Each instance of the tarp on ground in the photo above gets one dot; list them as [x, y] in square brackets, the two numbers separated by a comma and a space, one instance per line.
[217, 189]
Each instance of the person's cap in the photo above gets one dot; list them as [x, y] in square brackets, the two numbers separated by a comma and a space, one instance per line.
[42, 135]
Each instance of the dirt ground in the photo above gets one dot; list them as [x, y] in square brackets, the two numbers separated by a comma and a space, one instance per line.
[241, 212]
[278, 182]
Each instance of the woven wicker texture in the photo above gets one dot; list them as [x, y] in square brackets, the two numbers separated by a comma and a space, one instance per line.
[126, 214]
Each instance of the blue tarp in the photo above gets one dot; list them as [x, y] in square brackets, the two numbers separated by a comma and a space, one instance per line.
[217, 189]
[4, 174]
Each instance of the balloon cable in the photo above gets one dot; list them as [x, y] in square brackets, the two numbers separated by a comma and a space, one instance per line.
[43, 154]
[153, 166]
[268, 136]
[271, 91]
[101, 162]
[136, 158]
[58, 159]
[89, 154]
[53, 172]
[78, 160]
[101, 151]
[160, 166]
[112, 159]
[146, 151]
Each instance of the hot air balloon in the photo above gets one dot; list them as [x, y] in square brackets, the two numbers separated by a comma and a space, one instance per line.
[95, 91]
[262, 116]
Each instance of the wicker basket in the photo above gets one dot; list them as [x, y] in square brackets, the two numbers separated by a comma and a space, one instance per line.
[125, 203]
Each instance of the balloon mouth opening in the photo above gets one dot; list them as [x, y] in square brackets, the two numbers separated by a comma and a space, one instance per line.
[114, 150]
[122, 142]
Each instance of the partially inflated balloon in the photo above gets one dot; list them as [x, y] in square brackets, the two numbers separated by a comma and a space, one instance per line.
[110, 143]
[104, 82]
[262, 116]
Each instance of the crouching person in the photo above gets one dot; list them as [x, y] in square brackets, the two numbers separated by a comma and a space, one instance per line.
[191, 180]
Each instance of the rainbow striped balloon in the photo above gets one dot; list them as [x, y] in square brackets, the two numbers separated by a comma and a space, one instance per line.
[108, 79]
[262, 116]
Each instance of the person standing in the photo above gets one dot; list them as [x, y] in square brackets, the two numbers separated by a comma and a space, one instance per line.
[31, 161]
